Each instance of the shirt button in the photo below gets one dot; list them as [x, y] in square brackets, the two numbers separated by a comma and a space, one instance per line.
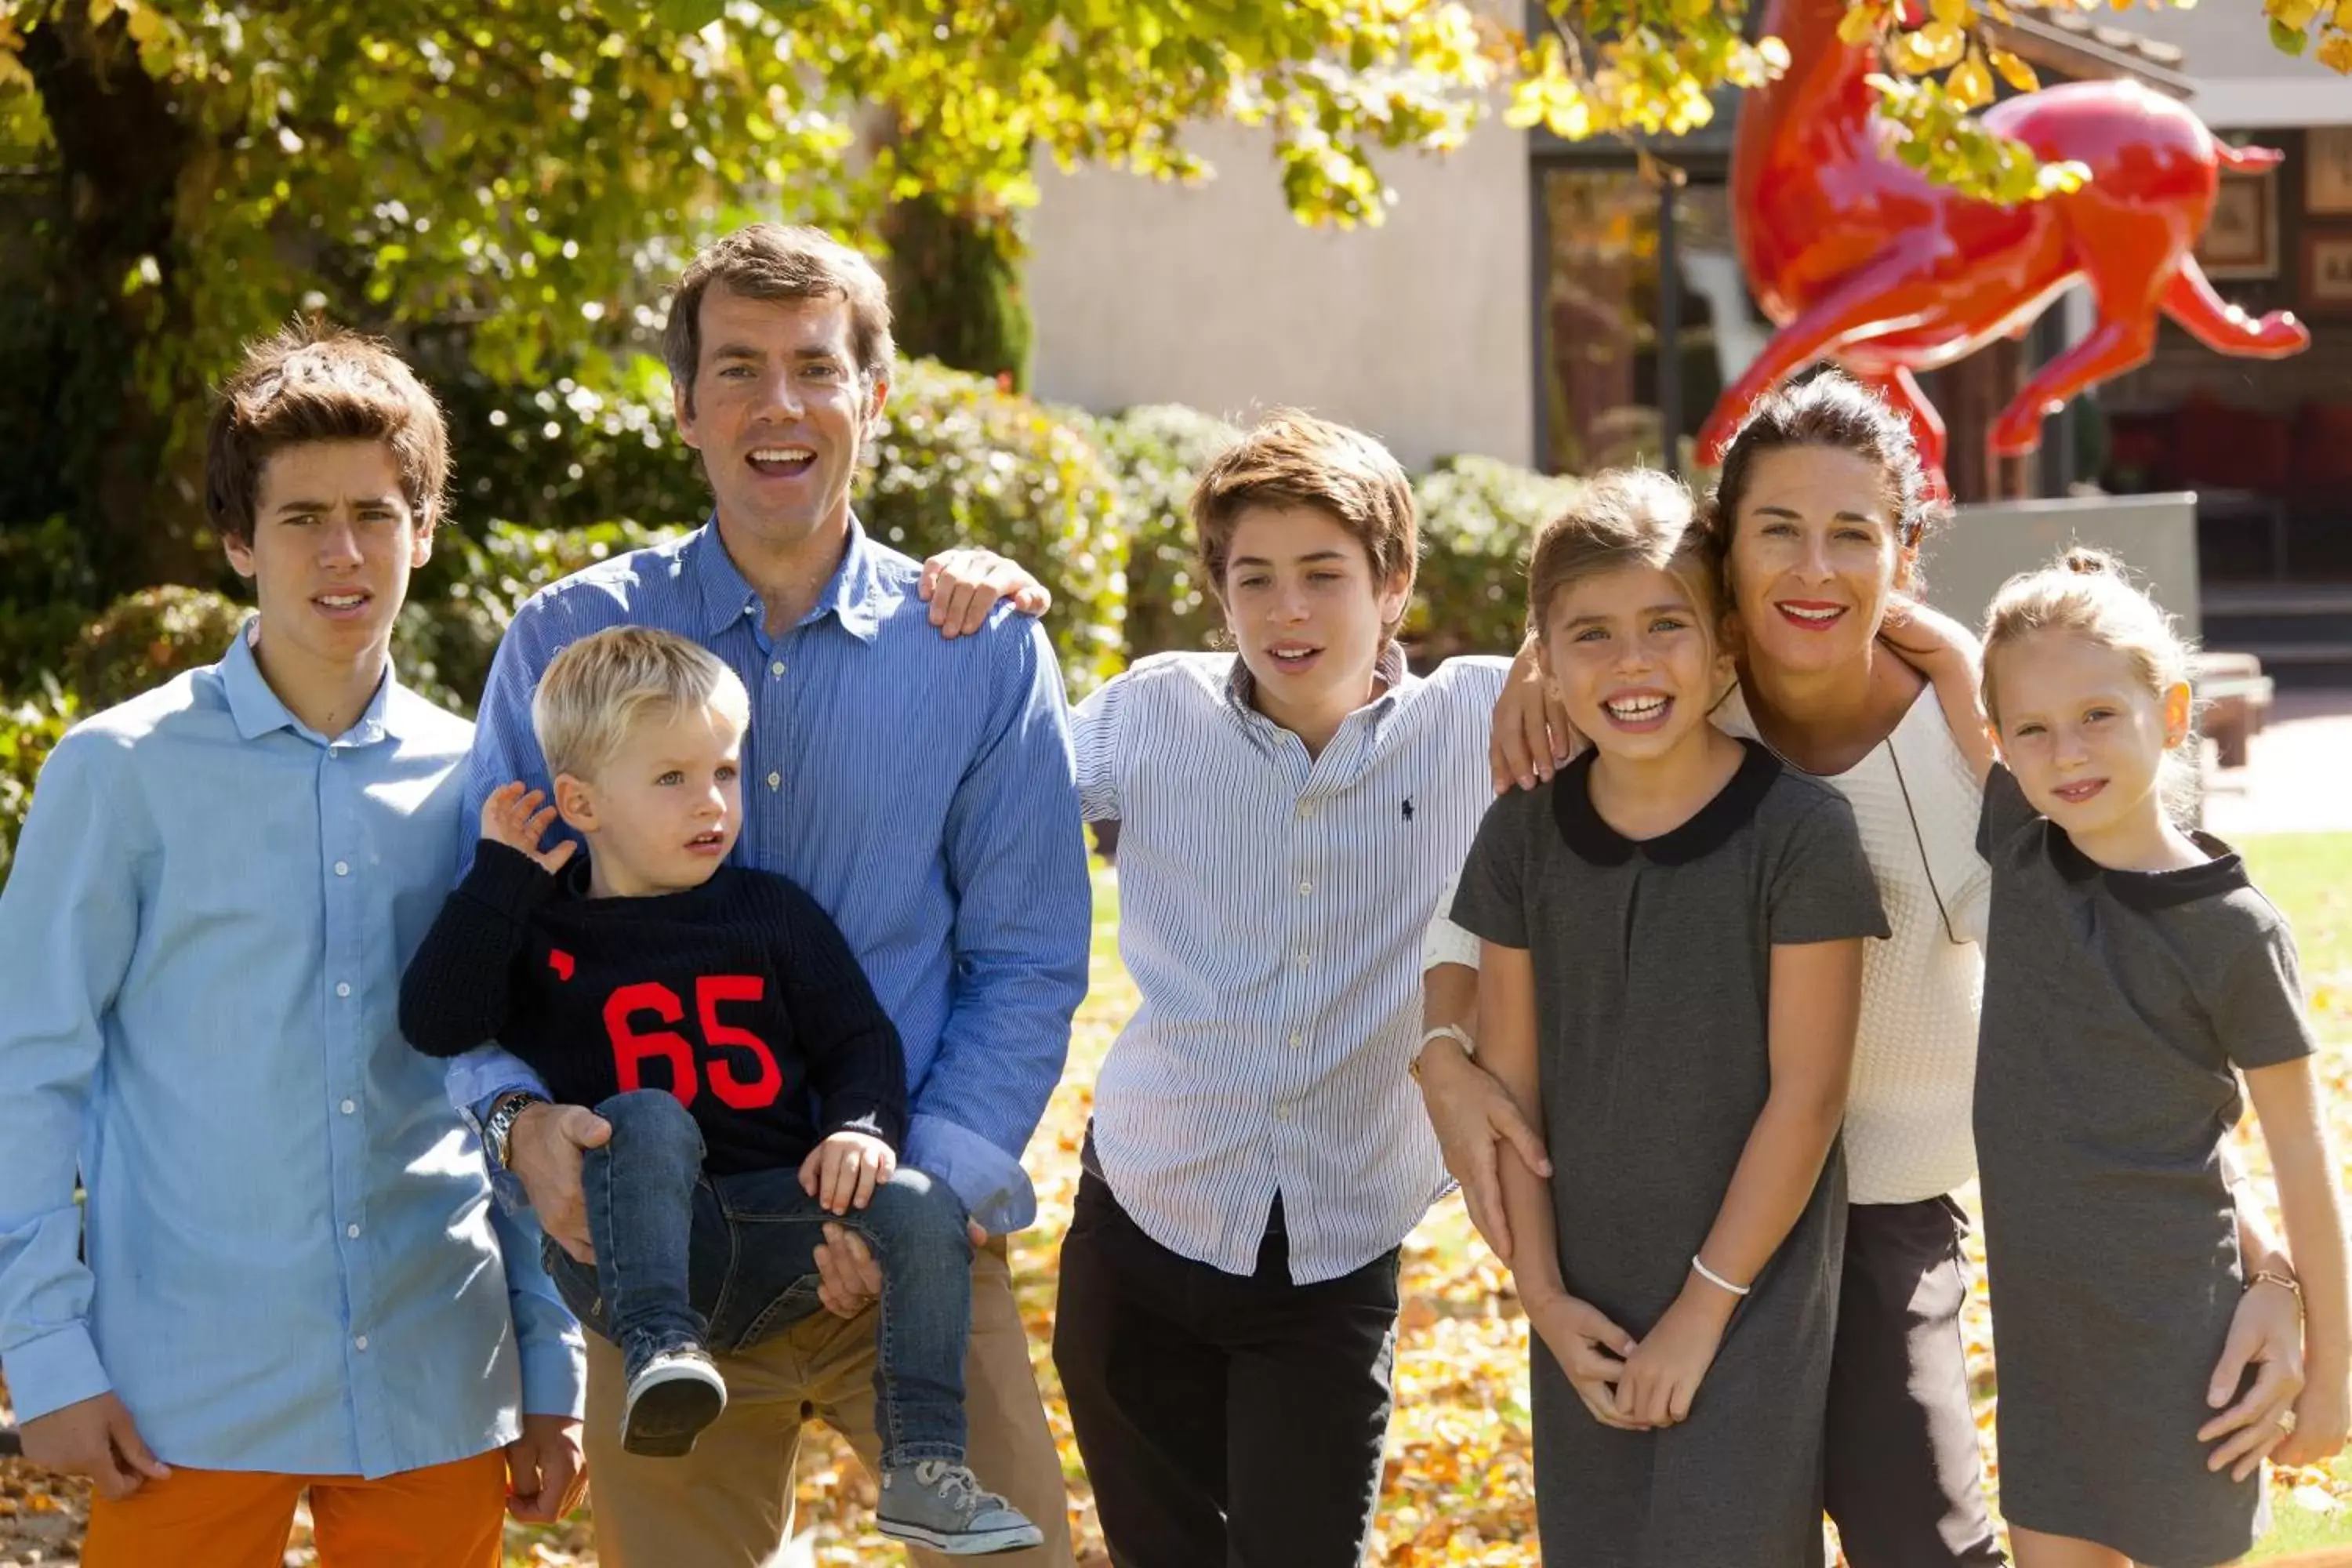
[359, 1343]
[775, 779]
[342, 868]
[344, 988]
[1281, 1110]
[1305, 889]
[1305, 809]
[1302, 958]
[777, 668]
[1297, 1038]
[350, 1106]
[354, 1232]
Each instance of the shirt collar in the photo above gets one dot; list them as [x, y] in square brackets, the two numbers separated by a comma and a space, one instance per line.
[1589, 836]
[851, 596]
[258, 710]
[1241, 686]
[2222, 872]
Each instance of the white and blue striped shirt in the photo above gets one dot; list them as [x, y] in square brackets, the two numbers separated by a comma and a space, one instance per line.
[1271, 910]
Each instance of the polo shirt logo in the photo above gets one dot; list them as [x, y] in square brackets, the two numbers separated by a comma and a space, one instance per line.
[560, 962]
[1407, 809]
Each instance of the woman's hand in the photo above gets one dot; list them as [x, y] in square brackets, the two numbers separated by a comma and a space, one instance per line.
[1588, 1348]
[1663, 1372]
[2265, 1333]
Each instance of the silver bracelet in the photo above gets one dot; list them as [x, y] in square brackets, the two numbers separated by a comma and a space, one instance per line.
[1718, 1281]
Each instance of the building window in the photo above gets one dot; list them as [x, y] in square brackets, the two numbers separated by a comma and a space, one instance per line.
[1608, 393]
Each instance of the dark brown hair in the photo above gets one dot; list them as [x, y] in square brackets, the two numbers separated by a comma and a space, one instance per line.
[1625, 517]
[1290, 458]
[1832, 410]
[312, 382]
[771, 261]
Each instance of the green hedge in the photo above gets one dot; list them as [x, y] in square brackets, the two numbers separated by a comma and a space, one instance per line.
[1478, 518]
[144, 639]
[1159, 449]
[29, 730]
[958, 460]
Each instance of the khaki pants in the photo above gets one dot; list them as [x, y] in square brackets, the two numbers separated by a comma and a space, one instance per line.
[728, 1504]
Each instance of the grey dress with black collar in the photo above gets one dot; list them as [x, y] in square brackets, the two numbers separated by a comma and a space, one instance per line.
[1653, 964]
[2116, 1006]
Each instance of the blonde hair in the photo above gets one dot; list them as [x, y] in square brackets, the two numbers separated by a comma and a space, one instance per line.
[2088, 594]
[599, 689]
[1289, 459]
[1625, 517]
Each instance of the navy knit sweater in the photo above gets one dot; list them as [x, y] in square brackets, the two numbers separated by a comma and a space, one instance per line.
[740, 996]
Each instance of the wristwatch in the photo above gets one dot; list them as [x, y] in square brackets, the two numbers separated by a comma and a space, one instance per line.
[497, 1127]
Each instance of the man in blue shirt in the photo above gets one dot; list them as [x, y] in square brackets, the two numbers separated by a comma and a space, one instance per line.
[922, 788]
[295, 1277]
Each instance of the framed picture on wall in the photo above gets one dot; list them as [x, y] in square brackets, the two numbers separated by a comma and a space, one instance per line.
[2240, 239]
[2328, 171]
[2327, 272]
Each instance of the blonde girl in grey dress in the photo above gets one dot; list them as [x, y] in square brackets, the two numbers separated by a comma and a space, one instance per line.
[2133, 975]
[1672, 970]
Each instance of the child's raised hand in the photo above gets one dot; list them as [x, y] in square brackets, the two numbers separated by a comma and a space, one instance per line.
[518, 817]
[1590, 1350]
[1663, 1374]
[842, 1173]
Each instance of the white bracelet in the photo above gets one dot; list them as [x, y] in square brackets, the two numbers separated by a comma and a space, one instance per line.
[1718, 1281]
[1455, 1032]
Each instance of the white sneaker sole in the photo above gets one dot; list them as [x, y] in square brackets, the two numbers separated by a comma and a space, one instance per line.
[965, 1543]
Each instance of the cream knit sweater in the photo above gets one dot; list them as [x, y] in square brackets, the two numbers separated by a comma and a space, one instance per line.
[1908, 1134]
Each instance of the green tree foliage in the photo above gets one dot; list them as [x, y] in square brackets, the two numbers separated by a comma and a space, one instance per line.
[1159, 450]
[511, 182]
[955, 288]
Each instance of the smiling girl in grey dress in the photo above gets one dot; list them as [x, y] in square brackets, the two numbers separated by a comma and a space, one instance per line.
[1672, 974]
[2131, 973]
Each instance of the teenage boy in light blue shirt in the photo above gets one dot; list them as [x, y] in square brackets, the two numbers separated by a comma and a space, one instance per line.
[290, 1276]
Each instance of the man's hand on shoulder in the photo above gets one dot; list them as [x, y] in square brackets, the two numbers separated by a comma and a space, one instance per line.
[963, 587]
[94, 1437]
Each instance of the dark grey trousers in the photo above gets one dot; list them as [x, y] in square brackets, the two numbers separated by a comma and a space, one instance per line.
[1905, 1478]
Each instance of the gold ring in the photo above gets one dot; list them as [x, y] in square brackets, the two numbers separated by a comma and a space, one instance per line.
[2286, 1421]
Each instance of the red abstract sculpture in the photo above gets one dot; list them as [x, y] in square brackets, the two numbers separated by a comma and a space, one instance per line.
[1858, 260]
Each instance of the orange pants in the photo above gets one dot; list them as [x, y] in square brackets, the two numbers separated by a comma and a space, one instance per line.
[444, 1516]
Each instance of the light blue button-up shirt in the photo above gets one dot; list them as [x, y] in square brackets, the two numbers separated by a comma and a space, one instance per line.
[922, 790]
[293, 1260]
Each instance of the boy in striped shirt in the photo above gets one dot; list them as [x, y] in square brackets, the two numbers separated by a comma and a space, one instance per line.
[1287, 814]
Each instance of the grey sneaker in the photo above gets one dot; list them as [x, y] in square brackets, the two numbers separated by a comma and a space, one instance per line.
[939, 1505]
[671, 1399]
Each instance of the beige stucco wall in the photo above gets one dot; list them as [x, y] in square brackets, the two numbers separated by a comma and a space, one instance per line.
[1983, 546]
[1214, 296]
[2243, 83]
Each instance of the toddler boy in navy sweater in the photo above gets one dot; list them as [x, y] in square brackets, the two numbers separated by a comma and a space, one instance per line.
[756, 1089]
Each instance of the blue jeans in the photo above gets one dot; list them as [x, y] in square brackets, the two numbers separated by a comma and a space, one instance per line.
[722, 1262]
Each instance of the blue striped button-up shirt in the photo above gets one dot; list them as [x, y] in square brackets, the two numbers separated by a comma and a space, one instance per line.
[1271, 910]
[293, 1260]
[919, 789]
